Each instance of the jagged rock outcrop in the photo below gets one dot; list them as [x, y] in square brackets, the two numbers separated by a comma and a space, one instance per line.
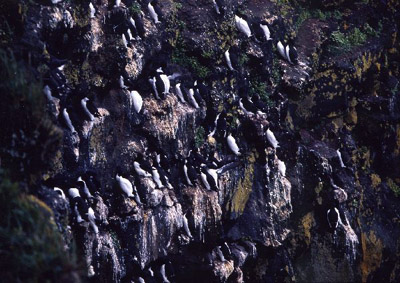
[264, 218]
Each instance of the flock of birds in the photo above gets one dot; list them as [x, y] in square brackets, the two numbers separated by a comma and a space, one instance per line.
[195, 167]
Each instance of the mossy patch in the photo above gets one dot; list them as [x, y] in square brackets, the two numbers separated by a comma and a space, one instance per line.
[372, 254]
[307, 223]
[244, 189]
[31, 247]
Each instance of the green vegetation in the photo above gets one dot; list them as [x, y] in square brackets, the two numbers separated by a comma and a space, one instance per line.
[199, 137]
[306, 14]
[180, 56]
[31, 248]
[394, 187]
[344, 42]
[135, 8]
[260, 88]
[29, 139]
[243, 59]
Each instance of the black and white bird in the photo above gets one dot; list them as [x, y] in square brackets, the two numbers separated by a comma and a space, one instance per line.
[124, 41]
[233, 145]
[92, 10]
[185, 223]
[289, 53]
[68, 121]
[156, 177]
[60, 192]
[155, 12]
[190, 173]
[47, 92]
[228, 60]
[281, 50]
[281, 167]
[160, 84]
[264, 27]
[136, 100]
[226, 250]
[84, 188]
[139, 24]
[271, 139]
[218, 7]
[122, 83]
[212, 133]
[192, 99]
[92, 220]
[78, 204]
[162, 174]
[340, 158]
[209, 181]
[232, 58]
[220, 254]
[333, 217]
[117, 3]
[242, 25]
[129, 33]
[84, 102]
[142, 166]
[125, 185]
[179, 93]
[163, 274]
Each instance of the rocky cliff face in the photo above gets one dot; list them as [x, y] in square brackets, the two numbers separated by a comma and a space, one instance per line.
[334, 114]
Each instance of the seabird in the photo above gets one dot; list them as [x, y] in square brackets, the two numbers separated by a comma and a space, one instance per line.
[228, 60]
[192, 99]
[85, 109]
[242, 25]
[122, 83]
[333, 217]
[136, 100]
[212, 133]
[153, 14]
[125, 185]
[139, 170]
[186, 226]
[340, 158]
[281, 50]
[163, 275]
[220, 254]
[92, 219]
[85, 187]
[67, 120]
[233, 145]
[186, 171]
[217, 8]
[60, 192]
[124, 41]
[130, 37]
[156, 177]
[264, 27]
[179, 93]
[271, 138]
[92, 10]
[47, 92]
[281, 167]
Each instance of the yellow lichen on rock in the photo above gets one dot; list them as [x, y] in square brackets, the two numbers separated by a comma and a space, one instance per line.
[372, 254]
[375, 180]
[244, 188]
[307, 221]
